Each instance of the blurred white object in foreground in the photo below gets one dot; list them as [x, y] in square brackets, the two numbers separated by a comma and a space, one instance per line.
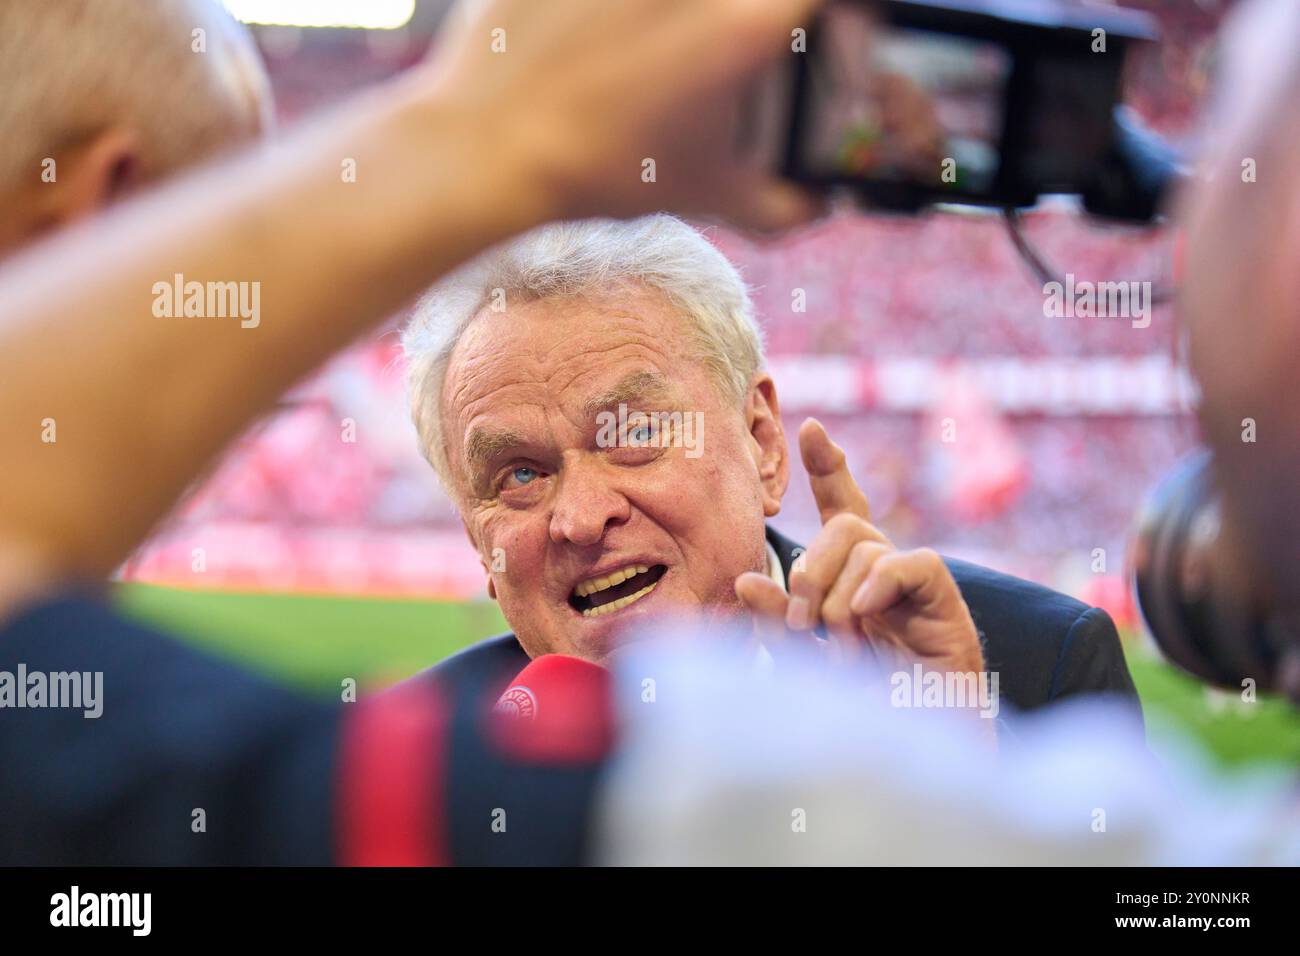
[725, 763]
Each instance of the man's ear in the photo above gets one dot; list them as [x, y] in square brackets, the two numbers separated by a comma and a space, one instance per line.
[88, 177]
[491, 585]
[771, 454]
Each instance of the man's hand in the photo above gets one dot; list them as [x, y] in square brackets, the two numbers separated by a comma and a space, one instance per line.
[590, 92]
[900, 605]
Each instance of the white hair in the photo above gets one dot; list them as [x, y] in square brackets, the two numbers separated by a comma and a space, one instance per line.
[70, 69]
[658, 252]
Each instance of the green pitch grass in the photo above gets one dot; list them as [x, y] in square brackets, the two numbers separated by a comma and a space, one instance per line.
[314, 643]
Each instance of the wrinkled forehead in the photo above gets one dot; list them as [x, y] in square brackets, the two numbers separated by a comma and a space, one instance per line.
[562, 347]
[571, 357]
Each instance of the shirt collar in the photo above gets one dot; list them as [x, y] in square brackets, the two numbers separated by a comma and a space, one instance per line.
[774, 569]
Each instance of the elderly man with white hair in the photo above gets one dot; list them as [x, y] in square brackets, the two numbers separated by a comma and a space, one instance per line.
[594, 398]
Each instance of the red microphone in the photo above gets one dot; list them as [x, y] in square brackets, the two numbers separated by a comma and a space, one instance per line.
[558, 708]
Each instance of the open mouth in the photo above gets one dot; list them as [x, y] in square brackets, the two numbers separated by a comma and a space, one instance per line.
[615, 591]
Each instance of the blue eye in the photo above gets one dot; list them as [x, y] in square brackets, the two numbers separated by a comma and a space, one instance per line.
[641, 435]
[518, 477]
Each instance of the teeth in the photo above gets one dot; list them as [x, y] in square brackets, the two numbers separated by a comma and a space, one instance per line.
[621, 603]
[618, 577]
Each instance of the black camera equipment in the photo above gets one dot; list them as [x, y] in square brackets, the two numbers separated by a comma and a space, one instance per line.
[1201, 619]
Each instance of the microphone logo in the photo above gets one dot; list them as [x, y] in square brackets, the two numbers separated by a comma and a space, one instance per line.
[517, 701]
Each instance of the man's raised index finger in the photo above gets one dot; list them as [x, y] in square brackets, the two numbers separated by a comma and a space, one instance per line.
[833, 486]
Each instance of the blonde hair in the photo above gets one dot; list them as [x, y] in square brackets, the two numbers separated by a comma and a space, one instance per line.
[70, 69]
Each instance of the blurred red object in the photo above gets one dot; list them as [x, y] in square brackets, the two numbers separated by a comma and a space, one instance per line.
[981, 470]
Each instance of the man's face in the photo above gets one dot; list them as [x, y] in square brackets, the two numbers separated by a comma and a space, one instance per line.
[559, 497]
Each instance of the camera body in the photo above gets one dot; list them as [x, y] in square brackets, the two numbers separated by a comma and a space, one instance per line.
[1197, 614]
[906, 103]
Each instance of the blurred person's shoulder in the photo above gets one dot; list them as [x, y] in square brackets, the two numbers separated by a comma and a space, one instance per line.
[183, 730]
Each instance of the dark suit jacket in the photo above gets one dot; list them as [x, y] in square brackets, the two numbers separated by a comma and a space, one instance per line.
[1044, 645]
